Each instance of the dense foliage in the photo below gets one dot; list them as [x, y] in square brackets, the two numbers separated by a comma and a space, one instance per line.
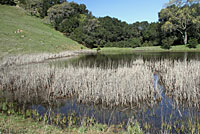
[192, 43]
[180, 16]
[8, 2]
[178, 22]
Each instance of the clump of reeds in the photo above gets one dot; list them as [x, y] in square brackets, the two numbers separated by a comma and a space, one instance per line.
[124, 85]
[121, 86]
[22, 59]
[181, 80]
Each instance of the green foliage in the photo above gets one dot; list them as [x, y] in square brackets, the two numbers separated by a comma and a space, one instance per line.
[98, 48]
[72, 119]
[58, 13]
[7, 107]
[67, 26]
[150, 43]
[65, 16]
[179, 16]
[192, 43]
[151, 34]
[8, 2]
[168, 42]
[134, 42]
[134, 128]
[37, 7]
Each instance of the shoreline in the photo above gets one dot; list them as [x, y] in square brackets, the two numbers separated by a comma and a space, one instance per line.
[178, 48]
[25, 59]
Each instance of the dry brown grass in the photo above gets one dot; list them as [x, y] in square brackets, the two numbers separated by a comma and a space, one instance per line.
[182, 80]
[127, 86]
[121, 86]
[38, 58]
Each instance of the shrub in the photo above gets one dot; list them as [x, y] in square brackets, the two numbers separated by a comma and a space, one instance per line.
[167, 42]
[109, 44]
[192, 43]
[147, 43]
[98, 48]
[135, 42]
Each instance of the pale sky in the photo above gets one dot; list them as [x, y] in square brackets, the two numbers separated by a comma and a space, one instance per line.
[125, 10]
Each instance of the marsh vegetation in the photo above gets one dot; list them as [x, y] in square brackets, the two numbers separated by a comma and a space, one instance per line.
[156, 91]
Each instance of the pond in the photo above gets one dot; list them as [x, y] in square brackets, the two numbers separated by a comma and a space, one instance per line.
[115, 60]
[160, 90]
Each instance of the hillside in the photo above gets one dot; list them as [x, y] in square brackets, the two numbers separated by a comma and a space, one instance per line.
[22, 33]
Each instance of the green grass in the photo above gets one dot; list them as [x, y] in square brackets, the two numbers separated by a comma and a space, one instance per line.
[17, 124]
[36, 36]
[178, 48]
[115, 50]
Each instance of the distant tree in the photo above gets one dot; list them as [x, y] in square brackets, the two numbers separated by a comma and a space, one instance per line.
[35, 7]
[179, 16]
[80, 9]
[90, 25]
[78, 35]
[151, 34]
[68, 25]
[194, 31]
[58, 13]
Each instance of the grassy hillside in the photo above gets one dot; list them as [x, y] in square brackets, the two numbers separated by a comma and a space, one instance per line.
[33, 35]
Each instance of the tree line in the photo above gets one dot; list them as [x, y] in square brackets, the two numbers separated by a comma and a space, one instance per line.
[179, 23]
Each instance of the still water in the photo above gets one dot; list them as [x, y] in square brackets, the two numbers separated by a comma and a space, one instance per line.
[116, 60]
[164, 111]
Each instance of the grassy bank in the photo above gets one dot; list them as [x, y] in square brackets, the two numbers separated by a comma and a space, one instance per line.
[17, 124]
[115, 50]
[14, 124]
[21, 33]
[178, 48]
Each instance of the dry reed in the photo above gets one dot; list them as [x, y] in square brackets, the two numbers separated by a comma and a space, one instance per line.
[181, 80]
[22, 59]
[124, 85]
[121, 86]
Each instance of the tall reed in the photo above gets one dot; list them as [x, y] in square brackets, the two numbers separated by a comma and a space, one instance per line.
[181, 80]
[121, 86]
[22, 59]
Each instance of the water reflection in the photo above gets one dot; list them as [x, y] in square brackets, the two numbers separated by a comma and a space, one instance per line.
[116, 60]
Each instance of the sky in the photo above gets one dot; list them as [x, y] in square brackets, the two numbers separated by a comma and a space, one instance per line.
[126, 10]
